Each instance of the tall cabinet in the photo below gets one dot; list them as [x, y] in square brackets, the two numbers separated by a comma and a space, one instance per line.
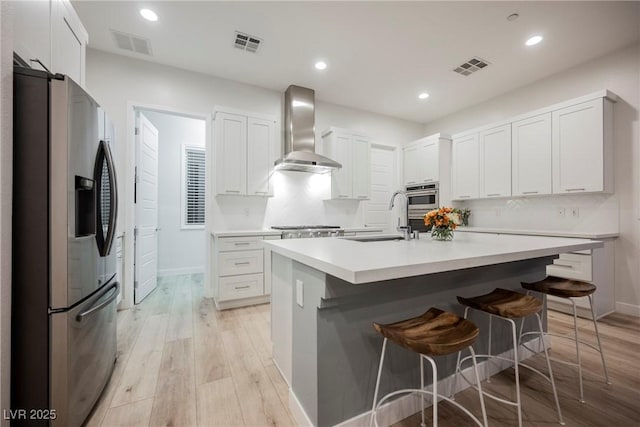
[246, 147]
[428, 160]
[353, 151]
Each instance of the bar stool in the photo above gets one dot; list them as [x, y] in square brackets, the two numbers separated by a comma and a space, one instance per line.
[570, 289]
[435, 333]
[509, 305]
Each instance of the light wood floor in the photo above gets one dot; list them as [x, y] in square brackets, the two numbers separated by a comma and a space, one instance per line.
[182, 363]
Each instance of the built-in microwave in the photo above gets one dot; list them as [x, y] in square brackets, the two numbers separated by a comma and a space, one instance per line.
[420, 200]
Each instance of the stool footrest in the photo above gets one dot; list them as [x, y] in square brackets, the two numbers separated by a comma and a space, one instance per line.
[427, 392]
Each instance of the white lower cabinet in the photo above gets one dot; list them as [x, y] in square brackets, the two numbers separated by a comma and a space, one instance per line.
[241, 270]
[595, 266]
[245, 286]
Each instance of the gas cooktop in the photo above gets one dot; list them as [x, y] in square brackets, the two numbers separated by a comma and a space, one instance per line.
[305, 227]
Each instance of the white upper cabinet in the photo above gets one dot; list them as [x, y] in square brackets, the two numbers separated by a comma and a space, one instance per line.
[260, 156]
[231, 153]
[245, 149]
[531, 155]
[50, 31]
[353, 152]
[32, 32]
[427, 160]
[495, 161]
[361, 167]
[68, 42]
[465, 167]
[582, 148]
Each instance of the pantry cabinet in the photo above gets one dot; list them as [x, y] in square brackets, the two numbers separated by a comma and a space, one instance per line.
[50, 32]
[465, 174]
[245, 150]
[353, 152]
[531, 155]
[495, 161]
[582, 148]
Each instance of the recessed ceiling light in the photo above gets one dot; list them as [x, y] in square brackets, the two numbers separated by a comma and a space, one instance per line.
[149, 15]
[321, 65]
[423, 95]
[532, 41]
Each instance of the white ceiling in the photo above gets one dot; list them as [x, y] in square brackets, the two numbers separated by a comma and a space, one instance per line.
[380, 54]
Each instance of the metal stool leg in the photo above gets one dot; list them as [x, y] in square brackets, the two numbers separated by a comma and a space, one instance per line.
[455, 377]
[422, 424]
[595, 326]
[475, 369]
[577, 339]
[553, 383]
[517, 373]
[434, 380]
[487, 370]
[375, 393]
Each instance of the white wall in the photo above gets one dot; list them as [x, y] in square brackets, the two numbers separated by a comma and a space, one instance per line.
[180, 250]
[620, 73]
[6, 150]
[116, 82]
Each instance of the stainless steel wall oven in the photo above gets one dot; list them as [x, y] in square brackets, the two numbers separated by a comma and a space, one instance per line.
[420, 200]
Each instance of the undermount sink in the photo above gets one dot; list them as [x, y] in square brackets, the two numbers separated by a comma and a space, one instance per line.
[374, 238]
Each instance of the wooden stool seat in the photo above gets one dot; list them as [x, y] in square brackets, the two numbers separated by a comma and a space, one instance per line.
[504, 303]
[559, 287]
[436, 333]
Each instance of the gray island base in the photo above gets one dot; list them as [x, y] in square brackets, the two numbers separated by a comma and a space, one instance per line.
[323, 339]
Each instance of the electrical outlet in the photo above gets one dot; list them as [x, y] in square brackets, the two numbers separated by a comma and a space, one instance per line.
[247, 212]
[299, 293]
[575, 212]
[560, 212]
[498, 212]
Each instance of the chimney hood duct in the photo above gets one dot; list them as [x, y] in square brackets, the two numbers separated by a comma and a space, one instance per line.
[299, 134]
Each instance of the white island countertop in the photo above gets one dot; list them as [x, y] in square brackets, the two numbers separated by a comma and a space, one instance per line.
[550, 233]
[365, 262]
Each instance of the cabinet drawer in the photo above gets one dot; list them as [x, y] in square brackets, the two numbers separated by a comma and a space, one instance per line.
[572, 266]
[245, 262]
[245, 286]
[239, 243]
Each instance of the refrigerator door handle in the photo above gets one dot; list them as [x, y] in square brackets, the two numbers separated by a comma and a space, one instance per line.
[116, 290]
[104, 158]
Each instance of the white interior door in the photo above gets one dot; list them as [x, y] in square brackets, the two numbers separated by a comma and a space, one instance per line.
[383, 183]
[146, 240]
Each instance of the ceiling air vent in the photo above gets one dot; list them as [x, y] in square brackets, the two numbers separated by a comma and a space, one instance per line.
[132, 43]
[471, 66]
[246, 42]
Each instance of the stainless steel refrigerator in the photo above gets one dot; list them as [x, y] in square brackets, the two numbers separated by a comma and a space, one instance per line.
[64, 288]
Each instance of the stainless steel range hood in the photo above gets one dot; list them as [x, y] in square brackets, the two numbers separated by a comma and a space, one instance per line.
[299, 134]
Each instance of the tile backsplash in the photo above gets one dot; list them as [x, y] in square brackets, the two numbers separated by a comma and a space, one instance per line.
[576, 212]
[299, 198]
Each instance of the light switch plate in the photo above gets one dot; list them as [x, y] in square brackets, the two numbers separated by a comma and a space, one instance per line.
[299, 293]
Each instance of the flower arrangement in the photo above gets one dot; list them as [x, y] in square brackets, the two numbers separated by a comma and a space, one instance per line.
[442, 221]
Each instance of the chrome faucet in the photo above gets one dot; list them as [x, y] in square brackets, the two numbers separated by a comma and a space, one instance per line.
[405, 229]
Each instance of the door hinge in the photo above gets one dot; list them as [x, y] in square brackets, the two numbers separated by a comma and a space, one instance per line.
[137, 131]
[135, 284]
[135, 232]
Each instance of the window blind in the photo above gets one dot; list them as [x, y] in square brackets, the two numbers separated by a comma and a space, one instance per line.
[194, 186]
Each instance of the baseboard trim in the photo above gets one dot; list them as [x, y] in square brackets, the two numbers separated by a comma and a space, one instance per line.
[298, 412]
[226, 305]
[179, 271]
[630, 309]
[405, 406]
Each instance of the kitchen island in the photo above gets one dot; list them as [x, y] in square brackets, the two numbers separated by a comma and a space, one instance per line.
[327, 292]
